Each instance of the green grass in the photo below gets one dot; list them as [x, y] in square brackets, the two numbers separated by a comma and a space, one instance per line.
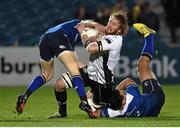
[42, 104]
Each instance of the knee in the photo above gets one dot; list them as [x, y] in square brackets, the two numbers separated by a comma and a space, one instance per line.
[59, 85]
[48, 75]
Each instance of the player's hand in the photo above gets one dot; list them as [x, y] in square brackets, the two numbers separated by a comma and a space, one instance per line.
[96, 38]
[100, 27]
[93, 39]
[80, 27]
[96, 114]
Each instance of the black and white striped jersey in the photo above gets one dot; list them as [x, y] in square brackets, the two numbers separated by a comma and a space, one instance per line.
[102, 64]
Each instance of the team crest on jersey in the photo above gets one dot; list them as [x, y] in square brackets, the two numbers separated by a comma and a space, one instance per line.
[146, 83]
[108, 41]
[62, 46]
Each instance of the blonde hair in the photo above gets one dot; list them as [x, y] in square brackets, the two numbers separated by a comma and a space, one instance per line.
[121, 16]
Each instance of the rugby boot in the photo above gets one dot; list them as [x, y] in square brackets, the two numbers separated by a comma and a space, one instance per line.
[21, 101]
[57, 115]
[87, 108]
[143, 29]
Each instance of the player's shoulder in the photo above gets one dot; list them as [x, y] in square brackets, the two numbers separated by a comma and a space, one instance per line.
[112, 38]
[133, 89]
[73, 21]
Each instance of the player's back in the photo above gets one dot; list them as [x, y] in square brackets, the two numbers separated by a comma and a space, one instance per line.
[68, 28]
[139, 105]
[136, 105]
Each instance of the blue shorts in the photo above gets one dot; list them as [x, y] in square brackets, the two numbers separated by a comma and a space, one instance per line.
[53, 44]
[152, 87]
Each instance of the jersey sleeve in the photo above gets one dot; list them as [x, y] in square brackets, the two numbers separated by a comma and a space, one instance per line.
[133, 90]
[108, 112]
[111, 42]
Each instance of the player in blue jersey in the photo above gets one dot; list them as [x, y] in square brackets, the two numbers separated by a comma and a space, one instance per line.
[58, 41]
[129, 101]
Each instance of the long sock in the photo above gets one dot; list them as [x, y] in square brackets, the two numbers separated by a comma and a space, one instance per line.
[37, 82]
[79, 87]
[61, 98]
[148, 49]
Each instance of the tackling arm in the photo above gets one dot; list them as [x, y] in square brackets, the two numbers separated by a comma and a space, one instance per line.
[90, 46]
[125, 83]
[92, 24]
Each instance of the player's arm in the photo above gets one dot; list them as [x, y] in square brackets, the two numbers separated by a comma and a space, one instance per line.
[107, 112]
[90, 46]
[92, 24]
[105, 44]
[125, 83]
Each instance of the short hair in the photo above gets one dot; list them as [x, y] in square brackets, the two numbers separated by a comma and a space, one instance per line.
[115, 100]
[121, 16]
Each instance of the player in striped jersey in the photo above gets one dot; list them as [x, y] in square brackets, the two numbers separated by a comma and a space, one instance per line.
[99, 73]
[131, 103]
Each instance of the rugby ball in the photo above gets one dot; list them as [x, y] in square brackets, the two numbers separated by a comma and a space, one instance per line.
[91, 32]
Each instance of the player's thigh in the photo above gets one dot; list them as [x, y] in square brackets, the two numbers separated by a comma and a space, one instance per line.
[45, 50]
[144, 70]
[69, 59]
[152, 86]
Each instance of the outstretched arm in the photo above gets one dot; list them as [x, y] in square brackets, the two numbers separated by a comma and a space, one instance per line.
[92, 24]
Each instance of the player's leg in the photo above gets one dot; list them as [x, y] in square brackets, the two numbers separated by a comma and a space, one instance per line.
[47, 66]
[144, 70]
[61, 84]
[146, 75]
[68, 58]
[37, 82]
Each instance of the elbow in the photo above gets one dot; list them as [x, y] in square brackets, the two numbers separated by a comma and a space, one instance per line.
[90, 50]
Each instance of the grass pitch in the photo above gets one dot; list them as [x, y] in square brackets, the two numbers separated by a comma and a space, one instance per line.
[42, 104]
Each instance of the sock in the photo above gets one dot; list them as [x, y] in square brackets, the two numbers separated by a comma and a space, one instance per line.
[79, 87]
[148, 49]
[61, 98]
[37, 82]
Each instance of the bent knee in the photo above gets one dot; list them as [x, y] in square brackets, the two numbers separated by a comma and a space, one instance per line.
[59, 85]
[48, 75]
[129, 81]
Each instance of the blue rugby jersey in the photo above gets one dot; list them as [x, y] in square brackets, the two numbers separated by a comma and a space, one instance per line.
[69, 30]
[137, 105]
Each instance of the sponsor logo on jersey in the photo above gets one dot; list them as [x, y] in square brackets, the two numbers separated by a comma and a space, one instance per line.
[62, 46]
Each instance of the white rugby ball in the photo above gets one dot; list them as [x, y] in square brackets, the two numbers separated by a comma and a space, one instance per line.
[91, 32]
